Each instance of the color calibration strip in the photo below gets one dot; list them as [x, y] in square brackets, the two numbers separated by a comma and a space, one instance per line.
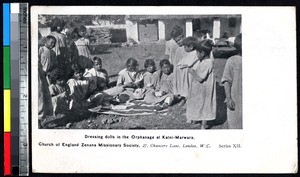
[7, 89]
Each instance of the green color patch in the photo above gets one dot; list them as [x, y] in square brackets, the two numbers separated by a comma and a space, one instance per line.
[6, 67]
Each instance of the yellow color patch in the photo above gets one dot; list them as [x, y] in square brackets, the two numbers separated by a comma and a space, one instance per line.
[7, 111]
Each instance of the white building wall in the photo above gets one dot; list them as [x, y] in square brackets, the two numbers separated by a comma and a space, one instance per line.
[132, 31]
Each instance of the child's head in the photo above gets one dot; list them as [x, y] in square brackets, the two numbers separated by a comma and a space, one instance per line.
[97, 63]
[150, 65]
[132, 64]
[77, 71]
[165, 66]
[203, 48]
[57, 77]
[238, 43]
[50, 42]
[82, 31]
[177, 33]
[57, 25]
[189, 43]
[74, 33]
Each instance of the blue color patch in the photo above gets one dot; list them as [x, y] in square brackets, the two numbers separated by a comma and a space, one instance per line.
[6, 24]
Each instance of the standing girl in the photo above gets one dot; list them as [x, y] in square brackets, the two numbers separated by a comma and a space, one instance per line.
[201, 102]
[232, 81]
[60, 48]
[171, 45]
[80, 48]
[182, 79]
[47, 57]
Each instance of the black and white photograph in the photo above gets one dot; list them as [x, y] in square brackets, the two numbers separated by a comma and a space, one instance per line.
[163, 89]
[140, 71]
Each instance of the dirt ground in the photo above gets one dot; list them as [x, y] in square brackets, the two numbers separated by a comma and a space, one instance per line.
[114, 58]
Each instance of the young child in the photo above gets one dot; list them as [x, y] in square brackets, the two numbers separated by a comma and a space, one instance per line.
[80, 48]
[150, 75]
[59, 93]
[44, 98]
[128, 77]
[171, 45]
[163, 93]
[201, 101]
[182, 78]
[60, 47]
[47, 56]
[97, 76]
[232, 81]
[128, 81]
[79, 88]
[179, 53]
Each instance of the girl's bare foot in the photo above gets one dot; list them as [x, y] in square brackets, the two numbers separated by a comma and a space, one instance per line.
[204, 125]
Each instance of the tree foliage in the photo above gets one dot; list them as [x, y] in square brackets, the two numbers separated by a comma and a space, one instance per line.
[76, 20]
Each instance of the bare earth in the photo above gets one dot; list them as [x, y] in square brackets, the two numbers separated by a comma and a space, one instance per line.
[114, 59]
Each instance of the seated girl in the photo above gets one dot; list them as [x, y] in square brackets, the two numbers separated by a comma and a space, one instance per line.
[79, 88]
[97, 76]
[150, 76]
[163, 93]
[59, 92]
[128, 80]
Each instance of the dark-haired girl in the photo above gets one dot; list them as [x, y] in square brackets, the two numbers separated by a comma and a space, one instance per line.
[201, 101]
[232, 81]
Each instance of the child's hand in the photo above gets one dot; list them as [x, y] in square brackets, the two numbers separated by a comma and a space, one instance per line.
[158, 94]
[190, 70]
[64, 95]
[163, 93]
[149, 85]
[230, 104]
[183, 66]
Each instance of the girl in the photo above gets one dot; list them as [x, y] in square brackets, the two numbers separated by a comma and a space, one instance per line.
[232, 81]
[182, 79]
[179, 53]
[79, 87]
[44, 101]
[149, 76]
[128, 81]
[47, 56]
[128, 77]
[59, 93]
[60, 47]
[163, 94]
[201, 101]
[171, 45]
[98, 77]
[80, 48]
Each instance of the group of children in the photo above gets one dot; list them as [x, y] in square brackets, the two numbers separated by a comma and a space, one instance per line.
[74, 80]
[194, 80]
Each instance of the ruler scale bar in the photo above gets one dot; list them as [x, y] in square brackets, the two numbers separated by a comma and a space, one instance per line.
[23, 90]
